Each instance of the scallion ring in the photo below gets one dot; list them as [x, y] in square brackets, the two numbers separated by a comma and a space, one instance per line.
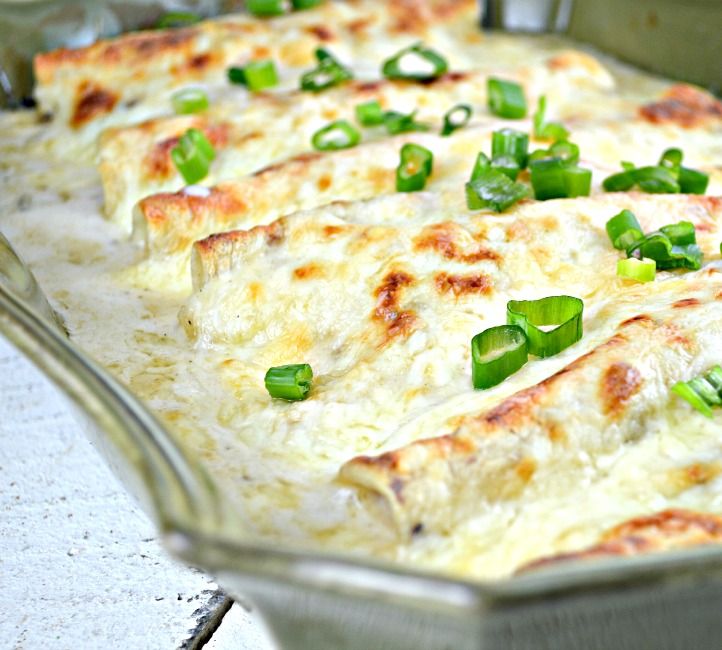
[396, 122]
[267, 7]
[193, 155]
[624, 230]
[340, 134]
[414, 168]
[508, 142]
[175, 19]
[562, 313]
[507, 165]
[456, 118]
[544, 130]
[369, 113]
[494, 190]
[506, 98]
[481, 165]
[497, 353]
[329, 72]
[255, 75]
[692, 181]
[643, 270]
[291, 383]
[189, 100]
[417, 62]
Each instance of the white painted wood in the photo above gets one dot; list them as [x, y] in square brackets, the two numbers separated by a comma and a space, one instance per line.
[80, 565]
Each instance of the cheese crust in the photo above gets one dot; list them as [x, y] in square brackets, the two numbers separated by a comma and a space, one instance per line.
[288, 255]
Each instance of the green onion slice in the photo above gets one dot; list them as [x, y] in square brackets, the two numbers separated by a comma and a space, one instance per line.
[266, 7]
[189, 100]
[508, 142]
[643, 270]
[370, 113]
[658, 247]
[497, 353]
[547, 130]
[566, 151]
[305, 4]
[681, 233]
[506, 98]
[416, 62]
[652, 179]
[671, 159]
[292, 382]
[507, 165]
[692, 181]
[562, 312]
[256, 75]
[193, 155]
[482, 164]
[414, 168]
[620, 182]
[686, 392]
[396, 122]
[714, 377]
[624, 230]
[456, 118]
[175, 19]
[340, 134]
[329, 72]
[554, 178]
[494, 190]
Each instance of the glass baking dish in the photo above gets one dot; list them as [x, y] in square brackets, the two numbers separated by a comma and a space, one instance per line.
[321, 601]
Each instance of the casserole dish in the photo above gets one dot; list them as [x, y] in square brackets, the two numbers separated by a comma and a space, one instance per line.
[318, 601]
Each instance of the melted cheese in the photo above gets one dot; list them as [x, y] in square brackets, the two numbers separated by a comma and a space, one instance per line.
[393, 454]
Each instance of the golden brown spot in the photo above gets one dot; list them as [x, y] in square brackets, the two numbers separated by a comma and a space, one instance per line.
[261, 52]
[619, 382]
[369, 86]
[637, 320]
[397, 322]
[462, 284]
[321, 32]
[92, 100]
[556, 433]
[359, 25]
[684, 105]
[199, 61]
[686, 302]
[525, 469]
[441, 238]
[669, 521]
[291, 162]
[255, 291]
[684, 478]
[324, 182]
[308, 272]
[148, 44]
[332, 231]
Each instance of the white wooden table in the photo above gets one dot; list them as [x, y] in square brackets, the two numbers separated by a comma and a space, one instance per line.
[80, 564]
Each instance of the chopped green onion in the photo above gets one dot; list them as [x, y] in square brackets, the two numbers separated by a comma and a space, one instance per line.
[256, 75]
[396, 122]
[714, 377]
[416, 62]
[456, 118]
[369, 113]
[658, 247]
[547, 130]
[266, 7]
[706, 390]
[177, 19]
[497, 353]
[643, 270]
[671, 159]
[692, 181]
[566, 151]
[681, 233]
[506, 98]
[624, 230]
[508, 142]
[329, 72]
[507, 165]
[656, 180]
[482, 164]
[292, 382]
[414, 168]
[305, 4]
[340, 134]
[193, 156]
[553, 178]
[578, 181]
[494, 190]
[563, 312]
[686, 392]
[189, 100]
[651, 179]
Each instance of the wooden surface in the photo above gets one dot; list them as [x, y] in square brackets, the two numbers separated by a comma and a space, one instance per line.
[80, 564]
